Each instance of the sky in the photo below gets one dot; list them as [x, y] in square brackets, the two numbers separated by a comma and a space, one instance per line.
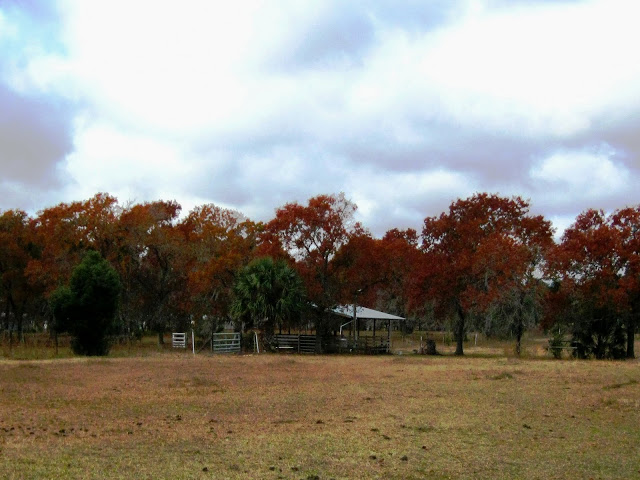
[403, 106]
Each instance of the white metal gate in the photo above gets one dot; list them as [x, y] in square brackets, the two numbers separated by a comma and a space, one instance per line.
[226, 343]
[179, 340]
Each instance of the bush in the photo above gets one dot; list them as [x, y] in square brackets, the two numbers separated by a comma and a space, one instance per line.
[557, 343]
[600, 336]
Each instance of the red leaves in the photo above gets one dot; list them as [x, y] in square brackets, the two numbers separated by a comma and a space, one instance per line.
[599, 257]
[484, 245]
[312, 235]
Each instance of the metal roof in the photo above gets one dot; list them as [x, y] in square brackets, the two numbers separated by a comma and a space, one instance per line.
[364, 313]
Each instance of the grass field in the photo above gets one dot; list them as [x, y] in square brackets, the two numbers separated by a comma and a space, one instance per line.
[175, 416]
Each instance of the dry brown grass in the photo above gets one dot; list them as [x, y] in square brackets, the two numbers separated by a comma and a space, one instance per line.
[268, 416]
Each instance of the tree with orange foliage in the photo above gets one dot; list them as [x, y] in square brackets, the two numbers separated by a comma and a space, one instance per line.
[218, 243]
[64, 232]
[483, 247]
[60, 237]
[152, 265]
[312, 235]
[16, 293]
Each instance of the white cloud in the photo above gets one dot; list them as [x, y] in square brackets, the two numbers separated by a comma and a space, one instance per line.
[201, 67]
[124, 164]
[588, 175]
[403, 200]
[251, 104]
[544, 70]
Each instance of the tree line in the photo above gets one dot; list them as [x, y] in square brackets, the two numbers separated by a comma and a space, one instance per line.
[486, 264]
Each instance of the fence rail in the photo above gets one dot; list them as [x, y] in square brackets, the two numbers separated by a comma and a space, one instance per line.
[367, 345]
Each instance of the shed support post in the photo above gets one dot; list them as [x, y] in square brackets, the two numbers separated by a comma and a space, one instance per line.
[355, 322]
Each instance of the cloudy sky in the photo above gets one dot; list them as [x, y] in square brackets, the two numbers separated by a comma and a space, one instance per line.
[404, 106]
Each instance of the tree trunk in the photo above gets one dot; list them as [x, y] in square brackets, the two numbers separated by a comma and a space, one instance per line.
[460, 331]
[54, 328]
[160, 337]
[7, 311]
[319, 331]
[20, 321]
[519, 332]
[631, 332]
[7, 324]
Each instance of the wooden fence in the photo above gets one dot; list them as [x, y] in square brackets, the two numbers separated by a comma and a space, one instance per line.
[295, 343]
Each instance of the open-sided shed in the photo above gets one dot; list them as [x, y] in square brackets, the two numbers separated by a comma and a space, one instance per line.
[358, 316]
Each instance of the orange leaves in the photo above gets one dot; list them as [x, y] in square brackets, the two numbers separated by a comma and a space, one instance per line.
[218, 243]
[62, 233]
[16, 237]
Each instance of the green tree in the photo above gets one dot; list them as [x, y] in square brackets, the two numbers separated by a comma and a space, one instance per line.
[267, 293]
[86, 308]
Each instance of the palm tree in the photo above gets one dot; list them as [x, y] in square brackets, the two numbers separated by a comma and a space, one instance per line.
[267, 293]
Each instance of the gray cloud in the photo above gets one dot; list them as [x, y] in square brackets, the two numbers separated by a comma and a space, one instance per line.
[341, 34]
[36, 130]
[35, 136]
[335, 38]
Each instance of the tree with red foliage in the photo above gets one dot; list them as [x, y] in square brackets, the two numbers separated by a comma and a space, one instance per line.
[312, 235]
[362, 267]
[378, 270]
[627, 222]
[402, 256]
[596, 266]
[482, 248]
